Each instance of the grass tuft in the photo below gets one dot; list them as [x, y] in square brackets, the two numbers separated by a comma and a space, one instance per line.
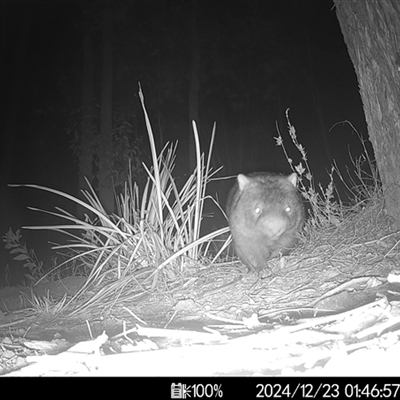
[151, 240]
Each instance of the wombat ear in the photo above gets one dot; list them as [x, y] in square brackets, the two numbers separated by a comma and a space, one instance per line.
[243, 181]
[292, 178]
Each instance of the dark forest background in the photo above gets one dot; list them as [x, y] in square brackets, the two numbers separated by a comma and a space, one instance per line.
[256, 59]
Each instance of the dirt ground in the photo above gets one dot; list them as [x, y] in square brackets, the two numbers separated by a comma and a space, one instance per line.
[251, 341]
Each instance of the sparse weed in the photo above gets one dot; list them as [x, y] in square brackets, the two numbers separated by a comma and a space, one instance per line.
[367, 184]
[30, 261]
[325, 207]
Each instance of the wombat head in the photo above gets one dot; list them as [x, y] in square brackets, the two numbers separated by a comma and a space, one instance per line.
[265, 213]
[263, 194]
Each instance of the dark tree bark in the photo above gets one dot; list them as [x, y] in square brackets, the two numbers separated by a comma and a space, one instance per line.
[371, 30]
[87, 145]
[105, 151]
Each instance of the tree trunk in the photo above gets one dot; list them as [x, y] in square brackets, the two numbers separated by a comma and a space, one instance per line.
[87, 145]
[371, 30]
[105, 152]
[194, 84]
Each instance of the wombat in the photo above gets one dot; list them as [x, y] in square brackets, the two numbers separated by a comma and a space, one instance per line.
[265, 213]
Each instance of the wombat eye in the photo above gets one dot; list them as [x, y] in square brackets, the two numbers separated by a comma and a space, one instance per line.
[288, 209]
[257, 210]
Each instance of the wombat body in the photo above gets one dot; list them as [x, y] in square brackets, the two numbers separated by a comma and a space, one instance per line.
[265, 214]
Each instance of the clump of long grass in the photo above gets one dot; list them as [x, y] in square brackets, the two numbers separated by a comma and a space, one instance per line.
[341, 240]
[46, 306]
[153, 236]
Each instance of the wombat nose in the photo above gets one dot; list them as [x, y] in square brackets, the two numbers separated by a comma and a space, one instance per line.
[273, 226]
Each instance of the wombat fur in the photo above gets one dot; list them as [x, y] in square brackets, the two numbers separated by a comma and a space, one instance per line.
[265, 214]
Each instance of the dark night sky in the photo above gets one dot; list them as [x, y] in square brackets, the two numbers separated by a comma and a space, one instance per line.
[257, 60]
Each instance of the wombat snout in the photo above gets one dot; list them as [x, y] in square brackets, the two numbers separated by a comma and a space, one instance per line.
[273, 226]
